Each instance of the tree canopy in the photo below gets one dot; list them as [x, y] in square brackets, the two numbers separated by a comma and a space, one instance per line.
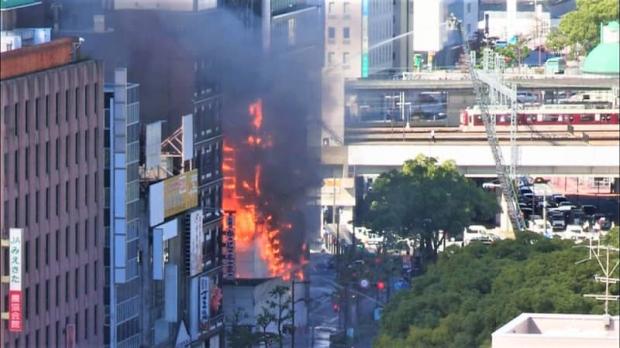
[423, 198]
[579, 29]
[472, 291]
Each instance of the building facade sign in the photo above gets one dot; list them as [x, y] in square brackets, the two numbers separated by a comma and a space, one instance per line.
[365, 61]
[180, 193]
[203, 293]
[196, 241]
[229, 246]
[15, 280]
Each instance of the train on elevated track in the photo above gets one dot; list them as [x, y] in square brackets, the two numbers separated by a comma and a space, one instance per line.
[556, 116]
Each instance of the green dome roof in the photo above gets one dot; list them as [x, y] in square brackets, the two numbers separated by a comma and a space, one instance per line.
[603, 59]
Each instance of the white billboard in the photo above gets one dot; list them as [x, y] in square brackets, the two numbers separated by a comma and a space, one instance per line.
[196, 240]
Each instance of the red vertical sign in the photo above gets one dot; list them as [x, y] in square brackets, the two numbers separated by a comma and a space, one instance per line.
[15, 311]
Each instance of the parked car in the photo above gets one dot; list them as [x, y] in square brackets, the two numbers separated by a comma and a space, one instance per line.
[559, 198]
[557, 221]
[601, 222]
[589, 210]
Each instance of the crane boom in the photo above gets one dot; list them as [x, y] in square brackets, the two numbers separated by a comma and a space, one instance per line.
[481, 89]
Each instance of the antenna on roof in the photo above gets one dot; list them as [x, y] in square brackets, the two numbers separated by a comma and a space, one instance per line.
[607, 269]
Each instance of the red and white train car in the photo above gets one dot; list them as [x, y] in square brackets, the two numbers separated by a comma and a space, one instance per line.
[546, 117]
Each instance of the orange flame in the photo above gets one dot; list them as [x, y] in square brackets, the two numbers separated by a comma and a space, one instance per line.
[253, 227]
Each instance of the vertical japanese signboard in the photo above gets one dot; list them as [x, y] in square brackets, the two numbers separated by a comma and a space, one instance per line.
[229, 246]
[203, 293]
[15, 280]
[196, 241]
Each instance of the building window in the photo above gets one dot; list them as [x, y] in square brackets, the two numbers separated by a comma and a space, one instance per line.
[86, 279]
[330, 58]
[77, 147]
[77, 238]
[95, 276]
[67, 146]
[331, 33]
[67, 241]
[95, 237]
[77, 284]
[26, 304]
[17, 224]
[16, 168]
[37, 250]
[345, 58]
[67, 286]
[86, 190]
[95, 187]
[57, 154]
[77, 98]
[330, 7]
[37, 156]
[57, 200]
[67, 105]
[95, 317]
[95, 98]
[96, 141]
[346, 7]
[36, 114]
[47, 249]
[27, 116]
[57, 291]
[47, 295]
[468, 7]
[27, 210]
[86, 231]
[346, 33]
[86, 90]
[16, 119]
[27, 162]
[66, 196]
[36, 300]
[47, 157]
[57, 246]
[26, 256]
[36, 207]
[57, 330]
[47, 111]
[57, 107]
[86, 323]
[47, 203]
[86, 143]
[77, 193]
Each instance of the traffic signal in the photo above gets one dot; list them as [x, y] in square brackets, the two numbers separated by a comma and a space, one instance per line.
[336, 307]
[380, 285]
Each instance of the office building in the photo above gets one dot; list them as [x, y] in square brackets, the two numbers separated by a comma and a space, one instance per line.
[124, 213]
[52, 188]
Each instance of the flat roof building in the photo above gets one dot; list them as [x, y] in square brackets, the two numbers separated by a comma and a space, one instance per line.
[540, 330]
[51, 175]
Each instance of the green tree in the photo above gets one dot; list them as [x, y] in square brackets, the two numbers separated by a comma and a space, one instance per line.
[472, 291]
[280, 303]
[515, 53]
[239, 334]
[424, 198]
[579, 29]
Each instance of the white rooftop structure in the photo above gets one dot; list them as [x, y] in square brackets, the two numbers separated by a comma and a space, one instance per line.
[540, 330]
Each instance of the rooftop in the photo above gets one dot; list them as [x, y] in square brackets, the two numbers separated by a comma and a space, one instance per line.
[535, 330]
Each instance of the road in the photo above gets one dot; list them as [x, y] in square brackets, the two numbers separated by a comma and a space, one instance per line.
[322, 318]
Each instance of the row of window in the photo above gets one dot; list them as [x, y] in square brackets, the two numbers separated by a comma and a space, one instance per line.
[346, 7]
[60, 335]
[331, 58]
[87, 235]
[41, 302]
[51, 151]
[80, 193]
[42, 107]
[346, 33]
